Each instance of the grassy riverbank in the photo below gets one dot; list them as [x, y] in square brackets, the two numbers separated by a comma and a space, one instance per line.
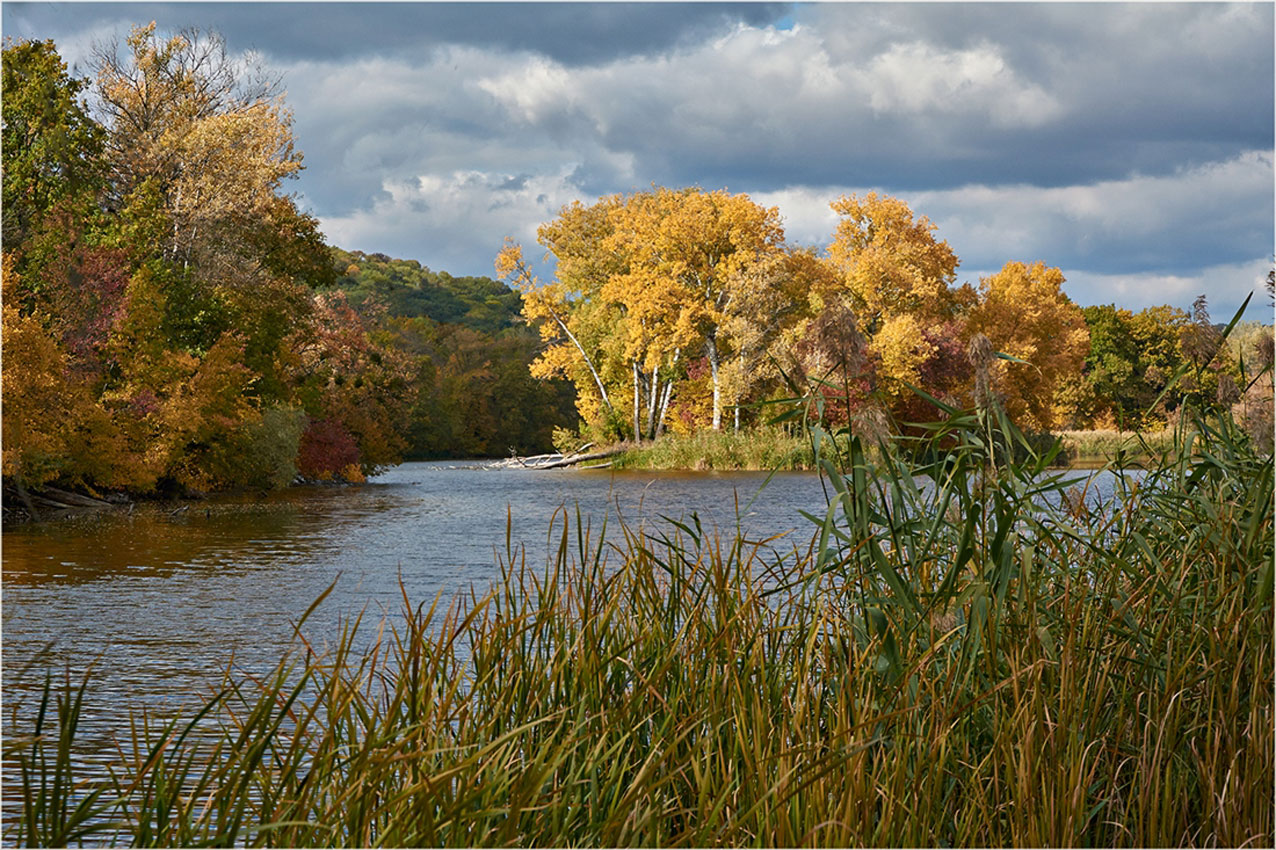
[959, 665]
[763, 448]
[770, 448]
[1093, 448]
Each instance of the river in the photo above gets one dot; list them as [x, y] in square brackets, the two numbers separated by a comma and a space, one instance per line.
[158, 599]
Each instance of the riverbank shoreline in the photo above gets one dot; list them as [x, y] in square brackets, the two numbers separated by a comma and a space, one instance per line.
[772, 449]
[759, 450]
[55, 503]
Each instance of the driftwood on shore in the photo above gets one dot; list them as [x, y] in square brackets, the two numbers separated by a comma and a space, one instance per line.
[558, 460]
[48, 502]
[57, 498]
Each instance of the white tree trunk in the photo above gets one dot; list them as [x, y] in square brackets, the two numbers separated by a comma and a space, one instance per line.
[652, 401]
[637, 403]
[598, 382]
[711, 351]
[664, 407]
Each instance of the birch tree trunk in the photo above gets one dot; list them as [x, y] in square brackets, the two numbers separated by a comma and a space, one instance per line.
[637, 403]
[598, 382]
[652, 402]
[711, 351]
[664, 407]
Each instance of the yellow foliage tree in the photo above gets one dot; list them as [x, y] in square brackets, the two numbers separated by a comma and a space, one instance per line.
[899, 278]
[53, 427]
[174, 409]
[1025, 314]
[37, 396]
[186, 124]
[892, 264]
[901, 348]
[764, 311]
[688, 252]
[576, 324]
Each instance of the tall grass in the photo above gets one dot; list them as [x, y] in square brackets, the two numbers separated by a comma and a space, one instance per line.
[760, 448]
[958, 657]
[1102, 446]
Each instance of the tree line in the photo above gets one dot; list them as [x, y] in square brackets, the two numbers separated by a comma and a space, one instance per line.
[683, 308]
[174, 323]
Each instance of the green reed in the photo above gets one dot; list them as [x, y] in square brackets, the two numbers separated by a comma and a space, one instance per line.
[968, 651]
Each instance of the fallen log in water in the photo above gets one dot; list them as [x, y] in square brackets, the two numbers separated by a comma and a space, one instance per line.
[47, 502]
[68, 498]
[575, 459]
[557, 461]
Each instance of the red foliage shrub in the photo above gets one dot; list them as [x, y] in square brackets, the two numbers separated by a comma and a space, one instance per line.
[83, 289]
[327, 448]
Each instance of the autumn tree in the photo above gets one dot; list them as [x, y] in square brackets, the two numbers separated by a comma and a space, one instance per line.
[352, 383]
[1024, 313]
[646, 283]
[37, 396]
[899, 279]
[689, 254]
[828, 356]
[774, 297]
[891, 263]
[210, 140]
[160, 328]
[575, 322]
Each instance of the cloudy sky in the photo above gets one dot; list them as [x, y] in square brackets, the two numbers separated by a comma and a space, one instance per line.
[1130, 145]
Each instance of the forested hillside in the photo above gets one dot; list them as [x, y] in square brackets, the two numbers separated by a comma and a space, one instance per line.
[473, 393]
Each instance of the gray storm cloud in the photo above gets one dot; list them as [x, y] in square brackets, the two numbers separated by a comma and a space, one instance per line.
[1130, 143]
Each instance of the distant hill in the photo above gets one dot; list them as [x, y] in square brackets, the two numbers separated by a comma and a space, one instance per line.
[411, 290]
[473, 393]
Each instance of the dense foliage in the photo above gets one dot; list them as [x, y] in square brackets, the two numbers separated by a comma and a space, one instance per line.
[174, 323]
[669, 307]
[162, 330]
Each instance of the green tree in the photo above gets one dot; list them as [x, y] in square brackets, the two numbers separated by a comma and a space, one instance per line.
[51, 147]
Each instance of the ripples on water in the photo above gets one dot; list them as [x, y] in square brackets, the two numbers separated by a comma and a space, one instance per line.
[158, 600]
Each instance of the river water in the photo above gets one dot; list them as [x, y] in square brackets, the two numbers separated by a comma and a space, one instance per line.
[158, 600]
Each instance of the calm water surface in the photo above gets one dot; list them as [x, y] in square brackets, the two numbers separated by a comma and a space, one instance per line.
[158, 600]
